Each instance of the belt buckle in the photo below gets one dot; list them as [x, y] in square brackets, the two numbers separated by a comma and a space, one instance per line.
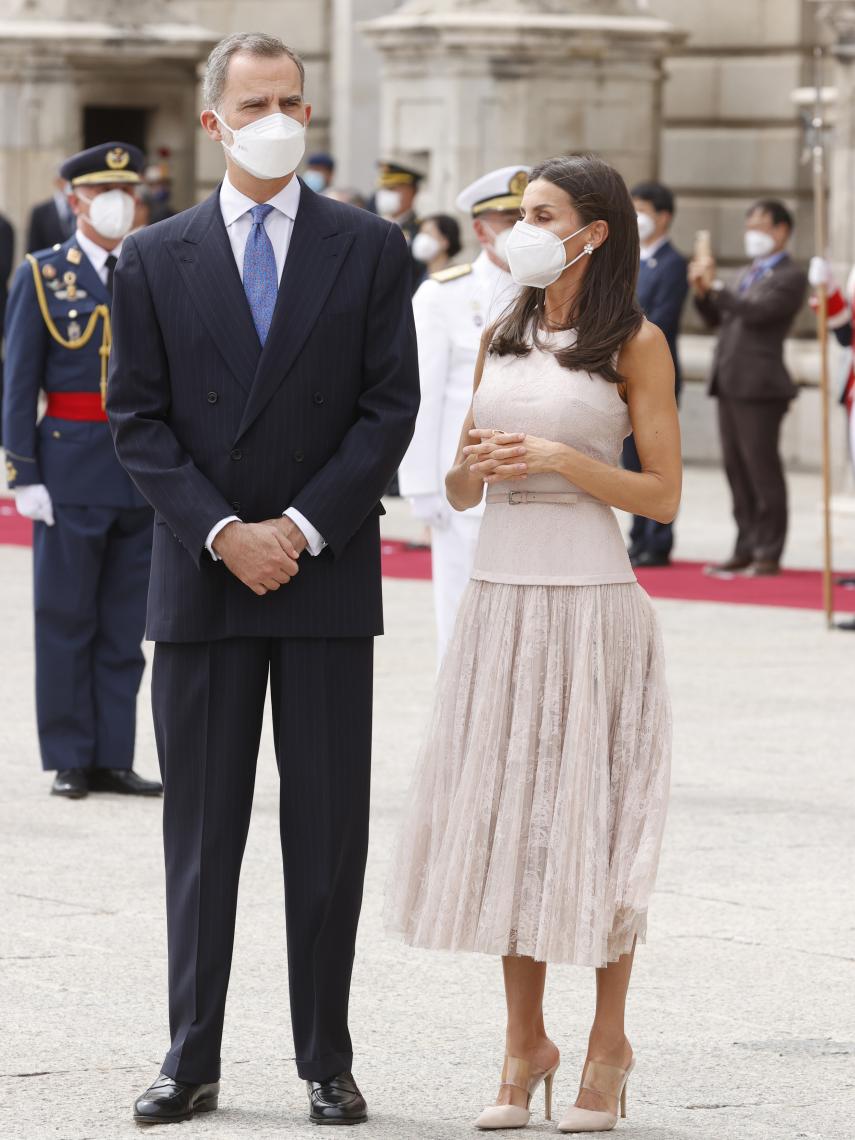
[516, 497]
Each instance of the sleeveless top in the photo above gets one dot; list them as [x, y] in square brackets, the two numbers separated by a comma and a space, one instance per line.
[542, 543]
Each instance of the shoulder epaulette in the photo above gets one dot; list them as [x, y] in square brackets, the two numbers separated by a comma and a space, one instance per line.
[451, 274]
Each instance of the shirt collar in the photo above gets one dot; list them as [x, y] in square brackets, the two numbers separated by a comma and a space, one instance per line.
[96, 253]
[770, 261]
[234, 204]
[652, 250]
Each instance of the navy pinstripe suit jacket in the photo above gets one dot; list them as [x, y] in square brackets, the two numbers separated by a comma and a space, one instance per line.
[209, 424]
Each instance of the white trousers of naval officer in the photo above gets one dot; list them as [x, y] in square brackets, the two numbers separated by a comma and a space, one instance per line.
[453, 544]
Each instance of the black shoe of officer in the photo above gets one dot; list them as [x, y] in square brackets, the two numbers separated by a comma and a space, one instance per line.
[336, 1101]
[71, 783]
[122, 781]
[652, 558]
[169, 1101]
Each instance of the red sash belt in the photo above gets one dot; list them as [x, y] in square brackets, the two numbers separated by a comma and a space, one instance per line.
[76, 406]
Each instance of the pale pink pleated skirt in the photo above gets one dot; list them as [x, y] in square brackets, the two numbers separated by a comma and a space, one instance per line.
[536, 814]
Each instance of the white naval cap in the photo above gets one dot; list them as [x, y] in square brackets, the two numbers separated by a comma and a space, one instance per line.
[499, 190]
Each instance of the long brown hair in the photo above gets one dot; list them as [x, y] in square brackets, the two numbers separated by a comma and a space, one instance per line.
[605, 313]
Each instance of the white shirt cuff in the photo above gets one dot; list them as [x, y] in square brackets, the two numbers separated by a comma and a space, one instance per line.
[315, 542]
[214, 531]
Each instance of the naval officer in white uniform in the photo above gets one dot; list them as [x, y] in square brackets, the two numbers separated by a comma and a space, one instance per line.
[452, 309]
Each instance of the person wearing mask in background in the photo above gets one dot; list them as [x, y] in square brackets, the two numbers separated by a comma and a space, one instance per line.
[662, 289]
[51, 222]
[840, 306]
[158, 188]
[394, 199]
[319, 172]
[7, 254]
[93, 529]
[437, 243]
[452, 310]
[751, 382]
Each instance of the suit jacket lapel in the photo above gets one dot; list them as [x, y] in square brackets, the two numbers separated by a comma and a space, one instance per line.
[205, 260]
[315, 256]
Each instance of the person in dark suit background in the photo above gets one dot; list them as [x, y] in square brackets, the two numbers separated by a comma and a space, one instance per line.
[751, 382]
[51, 222]
[7, 257]
[234, 398]
[662, 288]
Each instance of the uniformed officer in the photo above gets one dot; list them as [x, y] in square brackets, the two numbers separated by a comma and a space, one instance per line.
[452, 309]
[394, 198]
[93, 529]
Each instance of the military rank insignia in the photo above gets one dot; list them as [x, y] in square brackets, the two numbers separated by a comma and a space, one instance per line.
[75, 256]
[71, 292]
[117, 158]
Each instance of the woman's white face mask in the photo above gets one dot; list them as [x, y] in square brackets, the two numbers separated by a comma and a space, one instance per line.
[536, 256]
[111, 213]
[426, 247]
[267, 148]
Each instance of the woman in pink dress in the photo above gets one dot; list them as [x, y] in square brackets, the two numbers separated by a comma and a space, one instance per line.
[540, 796]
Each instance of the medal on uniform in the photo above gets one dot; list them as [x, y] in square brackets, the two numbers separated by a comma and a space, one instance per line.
[476, 313]
[74, 330]
[49, 272]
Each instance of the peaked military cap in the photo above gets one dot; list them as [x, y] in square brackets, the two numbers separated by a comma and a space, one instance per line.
[393, 174]
[499, 190]
[109, 162]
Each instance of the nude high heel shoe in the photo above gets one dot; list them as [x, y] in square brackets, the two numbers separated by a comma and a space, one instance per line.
[518, 1074]
[607, 1080]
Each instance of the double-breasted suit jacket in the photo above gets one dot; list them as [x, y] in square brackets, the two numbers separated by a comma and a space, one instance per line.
[210, 424]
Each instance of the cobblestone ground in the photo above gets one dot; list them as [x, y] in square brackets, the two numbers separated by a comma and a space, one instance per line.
[741, 1010]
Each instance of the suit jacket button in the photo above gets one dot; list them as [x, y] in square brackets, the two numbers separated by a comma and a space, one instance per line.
[298, 457]
[212, 397]
[318, 398]
[236, 453]
[236, 505]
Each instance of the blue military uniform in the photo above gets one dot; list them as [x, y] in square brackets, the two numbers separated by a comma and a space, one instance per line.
[91, 567]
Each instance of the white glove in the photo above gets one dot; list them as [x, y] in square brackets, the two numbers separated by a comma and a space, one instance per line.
[33, 502]
[819, 272]
[430, 509]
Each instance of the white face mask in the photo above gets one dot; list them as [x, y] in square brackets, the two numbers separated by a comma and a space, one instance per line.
[388, 202]
[425, 247]
[646, 227]
[536, 255]
[111, 214]
[267, 148]
[758, 244]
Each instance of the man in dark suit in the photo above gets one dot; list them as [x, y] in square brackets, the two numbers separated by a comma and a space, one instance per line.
[751, 382]
[233, 399]
[92, 528]
[51, 222]
[662, 288]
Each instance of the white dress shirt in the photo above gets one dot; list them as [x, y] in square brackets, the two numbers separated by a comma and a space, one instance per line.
[649, 251]
[96, 254]
[279, 224]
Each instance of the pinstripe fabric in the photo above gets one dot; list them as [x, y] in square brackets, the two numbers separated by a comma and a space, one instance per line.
[260, 279]
[208, 423]
[321, 694]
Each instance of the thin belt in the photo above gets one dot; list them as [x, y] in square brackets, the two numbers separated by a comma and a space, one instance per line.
[83, 406]
[516, 498]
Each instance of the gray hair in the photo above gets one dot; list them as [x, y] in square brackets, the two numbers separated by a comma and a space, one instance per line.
[253, 43]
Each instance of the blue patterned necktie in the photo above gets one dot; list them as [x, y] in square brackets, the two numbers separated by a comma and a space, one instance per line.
[260, 279]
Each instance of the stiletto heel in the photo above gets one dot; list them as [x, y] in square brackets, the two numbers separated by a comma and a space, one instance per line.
[547, 1093]
[518, 1074]
[610, 1083]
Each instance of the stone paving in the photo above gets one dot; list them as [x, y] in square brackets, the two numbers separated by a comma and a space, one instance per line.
[741, 1012]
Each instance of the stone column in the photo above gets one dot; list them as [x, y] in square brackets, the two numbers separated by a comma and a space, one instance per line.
[468, 85]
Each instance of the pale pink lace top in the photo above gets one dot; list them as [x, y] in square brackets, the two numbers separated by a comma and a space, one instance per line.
[552, 544]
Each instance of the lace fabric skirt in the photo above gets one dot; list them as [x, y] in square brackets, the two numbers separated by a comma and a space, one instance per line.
[537, 809]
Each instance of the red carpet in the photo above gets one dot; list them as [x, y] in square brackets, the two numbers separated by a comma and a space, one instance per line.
[800, 589]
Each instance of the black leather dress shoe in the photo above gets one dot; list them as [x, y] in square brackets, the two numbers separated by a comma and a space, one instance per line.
[124, 782]
[71, 783]
[336, 1101]
[169, 1101]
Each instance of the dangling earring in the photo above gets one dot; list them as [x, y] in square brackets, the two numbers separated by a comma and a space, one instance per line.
[589, 248]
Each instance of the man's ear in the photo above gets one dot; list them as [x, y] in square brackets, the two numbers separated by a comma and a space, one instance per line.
[74, 203]
[307, 107]
[211, 125]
